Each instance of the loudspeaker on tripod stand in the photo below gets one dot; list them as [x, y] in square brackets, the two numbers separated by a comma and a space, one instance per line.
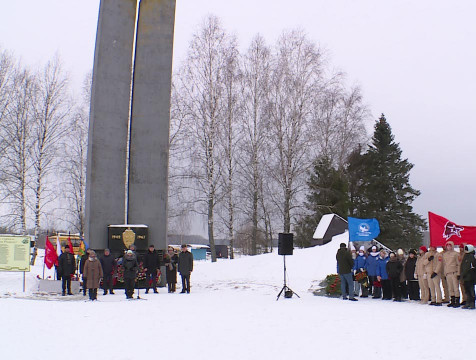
[285, 247]
[285, 244]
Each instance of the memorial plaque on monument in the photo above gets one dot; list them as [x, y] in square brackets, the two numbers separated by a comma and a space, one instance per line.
[121, 237]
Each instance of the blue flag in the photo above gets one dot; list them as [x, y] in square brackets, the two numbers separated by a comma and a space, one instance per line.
[85, 243]
[363, 229]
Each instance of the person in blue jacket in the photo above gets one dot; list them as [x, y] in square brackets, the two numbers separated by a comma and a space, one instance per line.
[371, 267]
[382, 275]
[360, 264]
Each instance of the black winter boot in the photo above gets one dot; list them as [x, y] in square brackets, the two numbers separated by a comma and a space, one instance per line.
[452, 303]
[457, 304]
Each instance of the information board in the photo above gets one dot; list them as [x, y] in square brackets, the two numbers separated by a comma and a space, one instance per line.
[14, 253]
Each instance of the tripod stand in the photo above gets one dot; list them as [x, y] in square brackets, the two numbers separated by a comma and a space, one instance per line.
[287, 290]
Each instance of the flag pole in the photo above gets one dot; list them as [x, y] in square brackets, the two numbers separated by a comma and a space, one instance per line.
[44, 257]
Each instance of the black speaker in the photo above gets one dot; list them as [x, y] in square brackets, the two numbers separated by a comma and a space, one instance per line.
[285, 244]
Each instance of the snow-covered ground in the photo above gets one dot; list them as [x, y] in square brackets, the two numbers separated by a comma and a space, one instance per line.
[232, 313]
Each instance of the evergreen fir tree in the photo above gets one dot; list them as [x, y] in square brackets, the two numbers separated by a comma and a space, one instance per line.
[328, 194]
[385, 191]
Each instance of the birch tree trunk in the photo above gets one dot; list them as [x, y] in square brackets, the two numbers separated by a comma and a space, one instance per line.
[296, 78]
[201, 85]
[17, 124]
[256, 67]
[51, 109]
[74, 160]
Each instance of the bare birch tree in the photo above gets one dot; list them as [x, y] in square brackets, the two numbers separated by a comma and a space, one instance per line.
[179, 207]
[202, 87]
[338, 118]
[7, 71]
[16, 125]
[256, 69]
[296, 78]
[230, 138]
[51, 108]
[74, 161]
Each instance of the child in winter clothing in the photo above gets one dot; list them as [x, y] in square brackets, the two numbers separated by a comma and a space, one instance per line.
[433, 262]
[371, 267]
[451, 269]
[382, 275]
[420, 274]
[360, 264]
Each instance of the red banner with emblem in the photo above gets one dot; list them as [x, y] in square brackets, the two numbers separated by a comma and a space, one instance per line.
[51, 258]
[443, 230]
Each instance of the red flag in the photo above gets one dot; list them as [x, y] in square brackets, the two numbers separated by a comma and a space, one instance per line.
[443, 230]
[71, 248]
[51, 257]
[70, 245]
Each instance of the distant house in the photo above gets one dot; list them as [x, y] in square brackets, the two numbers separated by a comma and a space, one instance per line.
[199, 251]
[329, 226]
[221, 251]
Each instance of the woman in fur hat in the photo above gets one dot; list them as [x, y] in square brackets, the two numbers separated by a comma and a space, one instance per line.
[93, 273]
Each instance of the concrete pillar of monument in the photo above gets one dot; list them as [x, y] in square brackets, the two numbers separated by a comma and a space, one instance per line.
[108, 124]
[148, 182]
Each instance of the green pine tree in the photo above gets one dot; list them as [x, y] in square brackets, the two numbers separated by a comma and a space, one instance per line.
[327, 194]
[384, 191]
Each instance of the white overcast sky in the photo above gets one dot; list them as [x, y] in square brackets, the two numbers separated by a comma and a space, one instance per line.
[414, 59]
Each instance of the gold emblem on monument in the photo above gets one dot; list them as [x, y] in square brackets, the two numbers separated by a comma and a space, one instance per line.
[128, 238]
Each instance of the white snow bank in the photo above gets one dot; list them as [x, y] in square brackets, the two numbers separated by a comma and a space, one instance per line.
[232, 313]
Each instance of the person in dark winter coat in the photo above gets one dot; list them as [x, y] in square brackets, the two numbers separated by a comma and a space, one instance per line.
[345, 263]
[109, 267]
[371, 267]
[468, 274]
[151, 265]
[394, 269]
[171, 261]
[81, 270]
[67, 268]
[131, 266]
[410, 269]
[185, 268]
[382, 275]
[93, 272]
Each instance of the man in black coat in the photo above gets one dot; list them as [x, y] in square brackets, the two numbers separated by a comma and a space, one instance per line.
[345, 263]
[131, 267]
[67, 267]
[468, 274]
[151, 265]
[185, 268]
[109, 267]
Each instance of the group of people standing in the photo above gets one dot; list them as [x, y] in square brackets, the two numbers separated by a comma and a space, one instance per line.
[95, 270]
[416, 276]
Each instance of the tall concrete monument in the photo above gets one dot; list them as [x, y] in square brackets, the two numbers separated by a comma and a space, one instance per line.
[129, 119]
